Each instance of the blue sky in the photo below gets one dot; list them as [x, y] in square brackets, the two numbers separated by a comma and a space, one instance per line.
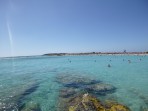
[34, 27]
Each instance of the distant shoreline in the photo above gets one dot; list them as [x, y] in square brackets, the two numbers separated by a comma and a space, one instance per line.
[96, 53]
[85, 53]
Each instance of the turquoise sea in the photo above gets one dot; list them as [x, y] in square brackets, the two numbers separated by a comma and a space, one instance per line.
[32, 80]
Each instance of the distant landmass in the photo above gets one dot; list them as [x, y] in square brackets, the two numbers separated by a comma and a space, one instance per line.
[94, 53]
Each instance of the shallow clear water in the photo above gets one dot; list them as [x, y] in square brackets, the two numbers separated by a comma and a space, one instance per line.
[25, 80]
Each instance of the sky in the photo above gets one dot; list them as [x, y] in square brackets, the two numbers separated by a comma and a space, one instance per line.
[36, 27]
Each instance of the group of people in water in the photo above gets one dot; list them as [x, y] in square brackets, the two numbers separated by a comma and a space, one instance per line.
[129, 61]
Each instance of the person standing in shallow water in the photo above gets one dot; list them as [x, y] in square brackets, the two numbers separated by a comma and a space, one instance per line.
[109, 65]
[69, 60]
[140, 59]
[129, 61]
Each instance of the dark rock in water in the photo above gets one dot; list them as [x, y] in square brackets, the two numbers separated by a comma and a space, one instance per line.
[143, 108]
[140, 95]
[74, 95]
[68, 92]
[30, 90]
[22, 97]
[80, 83]
[76, 82]
[144, 99]
[85, 84]
[86, 102]
[100, 88]
[74, 85]
[15, 101]
[31, 106]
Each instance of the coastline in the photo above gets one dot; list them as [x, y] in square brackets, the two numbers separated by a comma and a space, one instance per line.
[85, 54]
[97, 53]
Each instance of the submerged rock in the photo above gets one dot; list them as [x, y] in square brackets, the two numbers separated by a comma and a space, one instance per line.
[118, 107]
[114, 106]
[31, 106]
[75, 81]
[74, 96]
[100, 88]
[23, 96]
[143, 108]
[14, 99]
[87, 102]
[67, 92]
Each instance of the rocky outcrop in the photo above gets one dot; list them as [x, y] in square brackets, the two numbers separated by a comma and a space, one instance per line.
[86, 102]
[75, 81]
[100, 88]
[76, 95]
[67, 92]
[84, 84]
